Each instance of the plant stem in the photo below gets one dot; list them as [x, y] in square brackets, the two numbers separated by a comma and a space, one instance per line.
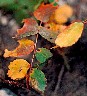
[13, 83]
[66, 61]
[59, 81]
[28, 74]
[62, 53]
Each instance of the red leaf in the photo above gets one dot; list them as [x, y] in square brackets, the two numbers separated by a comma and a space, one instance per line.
[30, 25]
[44, 12]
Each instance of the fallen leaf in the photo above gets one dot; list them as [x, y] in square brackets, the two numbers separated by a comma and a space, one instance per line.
[70, 35]
[18, 69]
[25, 47]
[44, 11]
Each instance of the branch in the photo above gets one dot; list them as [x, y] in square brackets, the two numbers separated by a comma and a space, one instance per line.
[59, 81]
[27, 76]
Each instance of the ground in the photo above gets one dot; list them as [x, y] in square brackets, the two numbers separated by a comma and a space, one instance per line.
[73, 82]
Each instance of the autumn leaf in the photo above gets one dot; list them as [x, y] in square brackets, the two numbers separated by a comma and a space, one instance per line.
[61, 14]
[55, 27]
[70, 35]
[44, 11]
[48, 34]
[52, 26]
[37, 80]
[25, 47]
[18, 69]
[43, 54]
[30, 26]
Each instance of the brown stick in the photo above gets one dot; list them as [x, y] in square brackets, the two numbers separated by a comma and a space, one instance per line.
[59, 81]
[13, 83]
[28, 76]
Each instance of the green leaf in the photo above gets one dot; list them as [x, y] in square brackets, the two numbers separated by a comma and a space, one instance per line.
[30, 4]
[55, 4]
[6, 2]
[48, 34]
[43, 54]
[51, 1]
[21, 14]
[40, 65]
[37, 80]
[12, 7]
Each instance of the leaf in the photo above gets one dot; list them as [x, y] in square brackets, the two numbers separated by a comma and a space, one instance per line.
[6, 2]
[70, 35]
[61, 15]
[37, 80]
[43, 54]
[31, 4]
[30, 25]
[25, 47]
[55, 27]
[19, 16]
[40, 65]
[54, 2]
[48, 34]
[51, 1]
[18, 69]
[44, 12]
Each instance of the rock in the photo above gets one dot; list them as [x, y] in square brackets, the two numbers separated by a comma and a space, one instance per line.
[6, 92]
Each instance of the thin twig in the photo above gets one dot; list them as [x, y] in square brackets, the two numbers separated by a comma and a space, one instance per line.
[63, 54]
[59, 81]
[32, 60]
[34, 50]
[66, 62]
[13, 83]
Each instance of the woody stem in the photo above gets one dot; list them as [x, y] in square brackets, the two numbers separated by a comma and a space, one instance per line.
[28, 74]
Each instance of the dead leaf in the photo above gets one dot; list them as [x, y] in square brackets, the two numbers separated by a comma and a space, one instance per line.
[70, 35]
[61, 14]
[44, 11]
[30, 25]
[18, 69]
[48, 34]
[25, 47]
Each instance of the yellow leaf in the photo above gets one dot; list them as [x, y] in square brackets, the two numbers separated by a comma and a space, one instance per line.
[70, 35]
[25, 47]
[55, 27]
[52, 26]
[18, 69]
[61, 14]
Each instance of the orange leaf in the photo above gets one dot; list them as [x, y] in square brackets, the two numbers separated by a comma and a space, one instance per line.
[70, 35]
[62, 14]
[44, 12]
[30, 25]
[54, 27]
[18, 69]
[25, 47]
